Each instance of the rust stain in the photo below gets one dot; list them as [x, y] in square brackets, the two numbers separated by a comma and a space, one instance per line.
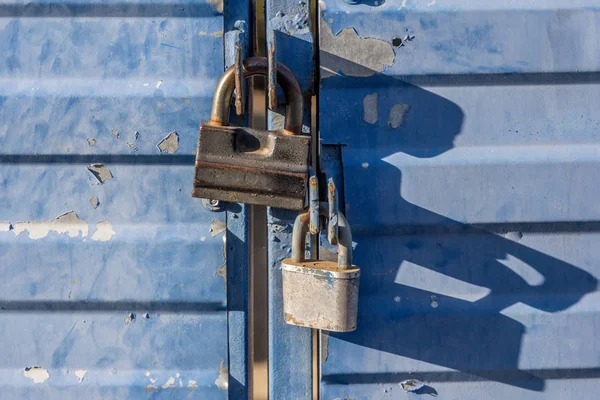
[324, 346]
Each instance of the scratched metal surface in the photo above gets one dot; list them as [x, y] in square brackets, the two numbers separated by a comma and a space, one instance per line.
[77, 80]
[470, 165]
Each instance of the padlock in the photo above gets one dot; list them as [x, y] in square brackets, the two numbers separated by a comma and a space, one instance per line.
[320, 294]
[245, 165]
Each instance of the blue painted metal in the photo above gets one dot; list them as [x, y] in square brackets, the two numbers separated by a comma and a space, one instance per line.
[469, 166]
[290, 347]
[135, 308]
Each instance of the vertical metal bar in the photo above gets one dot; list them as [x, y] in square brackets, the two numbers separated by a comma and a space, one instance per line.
[272, 79]
[332, 224]
[239, 80]
[290, 347]
[237, 46]
[313, 195]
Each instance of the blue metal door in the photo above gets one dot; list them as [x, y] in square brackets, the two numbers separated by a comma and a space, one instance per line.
[113, 277]
[468, 134]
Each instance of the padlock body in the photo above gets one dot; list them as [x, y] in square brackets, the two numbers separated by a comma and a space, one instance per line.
[319, 295]
[245, 165]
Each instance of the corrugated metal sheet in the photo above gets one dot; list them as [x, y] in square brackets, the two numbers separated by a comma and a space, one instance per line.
[113, 289]
[471, 150]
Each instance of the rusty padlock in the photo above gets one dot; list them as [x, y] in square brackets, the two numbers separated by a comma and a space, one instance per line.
[245, 165]
[320, 294]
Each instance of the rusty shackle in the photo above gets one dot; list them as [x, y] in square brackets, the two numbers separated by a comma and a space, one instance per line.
[259, 66]
[344, 242]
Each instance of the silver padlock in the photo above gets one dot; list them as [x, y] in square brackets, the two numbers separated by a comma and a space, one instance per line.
[320, 294]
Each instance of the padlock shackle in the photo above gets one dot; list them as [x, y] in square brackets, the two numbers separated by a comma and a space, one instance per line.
[259, 66]
[344, 238]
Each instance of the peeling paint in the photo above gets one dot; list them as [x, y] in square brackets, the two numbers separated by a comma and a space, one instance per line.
[222, 380]
[370, 113]
[402, 5]
[101, 172]
[192, 384]
[80, 374]
[411, 385]
[217, 5]
[169, 144]
[292, 24]
[159, 84]
[217, 227]
[5, 226]
[91, 141]
[151, 388]
[68, 223]
[222, 272]
[94, 201]
[201, 33]
[104, 231]
[37, 374]
[116, 132]
[129, 318]
[322, 5]
[397, 114]
[170, 383]
[351, 55]
[217, 34]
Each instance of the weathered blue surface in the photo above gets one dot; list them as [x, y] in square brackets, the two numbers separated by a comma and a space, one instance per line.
[290, 347]
[470, 183]
[77, 80]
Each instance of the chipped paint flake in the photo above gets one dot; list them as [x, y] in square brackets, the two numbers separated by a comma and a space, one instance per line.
[370, 113]
[402, 5]
[170, 383]
[5, 226]
[222, 380]
[431, 3]
[322, 5]
[217, 34]
[411, 385]
[80, 374]
[397, 114]
[151, 388]
[159, 84]
[101, 172]
[115, 132]
[202, 33]
[217, 5]
[148, 373]
[68, 223]
[129, 318]
[37, 374]
[216, 227]
[351, 55]
[192, 384]
[222, 272]
[91, 142]
[169, 144]
[94, 201]
[104, 231]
